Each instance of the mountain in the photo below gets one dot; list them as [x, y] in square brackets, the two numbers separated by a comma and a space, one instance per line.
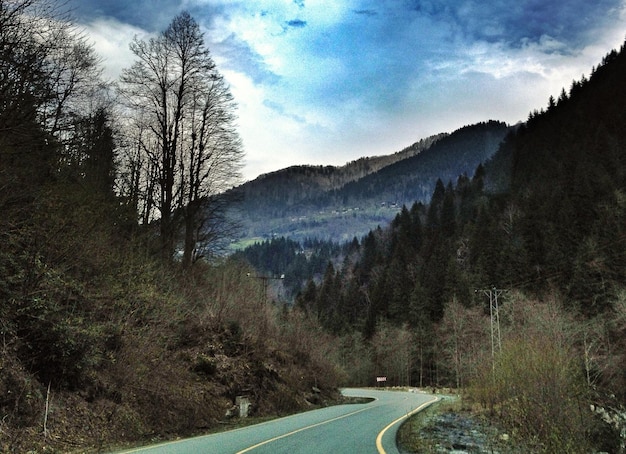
[285, 191]
[345, 202]
[531, 250]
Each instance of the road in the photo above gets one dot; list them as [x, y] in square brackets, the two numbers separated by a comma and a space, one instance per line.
[353, 428]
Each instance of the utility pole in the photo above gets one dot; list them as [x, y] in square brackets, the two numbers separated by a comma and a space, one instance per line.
[494, 312]
[263, 300]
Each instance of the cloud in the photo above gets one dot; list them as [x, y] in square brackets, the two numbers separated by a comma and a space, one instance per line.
[111, 40]
[148, 15]
[297, 23]
[230, 52]
[522, 21]
[325, 82]
[365, 12]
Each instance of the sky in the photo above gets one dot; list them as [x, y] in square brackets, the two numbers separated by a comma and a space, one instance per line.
[325, 82]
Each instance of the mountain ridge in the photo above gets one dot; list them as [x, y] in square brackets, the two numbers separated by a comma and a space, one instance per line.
[334, 177]
[347, 201]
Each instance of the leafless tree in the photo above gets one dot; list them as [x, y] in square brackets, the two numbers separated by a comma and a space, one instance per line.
[48, 77]
[212, 159]
[188, 135]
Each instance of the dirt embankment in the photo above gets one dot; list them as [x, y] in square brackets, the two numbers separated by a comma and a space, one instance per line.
[154, 389]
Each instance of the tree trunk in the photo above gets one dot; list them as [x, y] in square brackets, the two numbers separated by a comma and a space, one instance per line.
[190, 213]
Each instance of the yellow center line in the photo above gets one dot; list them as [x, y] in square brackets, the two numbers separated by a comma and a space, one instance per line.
[379, 438]
[302, 429]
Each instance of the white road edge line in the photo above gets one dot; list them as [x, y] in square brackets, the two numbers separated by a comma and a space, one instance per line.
[183, 440]
[379, 438]
[302, 429]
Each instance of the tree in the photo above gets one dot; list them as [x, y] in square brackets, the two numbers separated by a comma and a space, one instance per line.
[46, 69]
[50, 102]
[421, 324]
[56, 167]
[99, 142]
[462, 335]
[392, 349]
[184, 114]
[328, 297]
[537, 382]
[212, 162]
[74, 78]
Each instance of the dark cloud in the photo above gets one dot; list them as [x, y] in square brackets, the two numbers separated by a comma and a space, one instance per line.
[523, 21]
[150, 15]
[365, 12]
[241, 58]
[296, 23]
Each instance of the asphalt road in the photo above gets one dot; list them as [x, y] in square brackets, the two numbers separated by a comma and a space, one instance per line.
[351, 429]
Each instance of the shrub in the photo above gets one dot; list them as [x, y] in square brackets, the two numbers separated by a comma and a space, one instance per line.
[536, 385]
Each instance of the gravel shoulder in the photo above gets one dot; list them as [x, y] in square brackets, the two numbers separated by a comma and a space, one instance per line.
[450, 427]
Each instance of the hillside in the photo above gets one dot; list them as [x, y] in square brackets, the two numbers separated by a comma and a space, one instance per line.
[538, 230]
[296, 184]
[346, 202]
[107, 339]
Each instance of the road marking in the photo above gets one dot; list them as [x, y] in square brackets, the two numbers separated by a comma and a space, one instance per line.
[241, 429]
[379, 438]
[302, 429]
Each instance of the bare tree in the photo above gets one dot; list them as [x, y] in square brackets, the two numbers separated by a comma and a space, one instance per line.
[189, 135]
[74, 75]
[212, 160]
[393, 353]
[462, 336]
[48, 77]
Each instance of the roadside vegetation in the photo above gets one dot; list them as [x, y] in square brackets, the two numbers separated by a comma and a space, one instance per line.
[119, 322]
[151, 356]
[534, 395]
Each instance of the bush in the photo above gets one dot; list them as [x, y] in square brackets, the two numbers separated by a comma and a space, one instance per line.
[21, 398]
[535, 384]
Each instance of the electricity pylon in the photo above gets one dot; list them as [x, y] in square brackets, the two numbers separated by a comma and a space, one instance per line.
[494, 312]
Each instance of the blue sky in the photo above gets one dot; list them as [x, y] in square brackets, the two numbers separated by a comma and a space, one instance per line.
[327, 82]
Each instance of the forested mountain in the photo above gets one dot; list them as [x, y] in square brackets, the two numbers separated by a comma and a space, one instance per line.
[413, 179]
[290, 187]
[344, 202]
[558, 221]
[548, 231]
[559, 224]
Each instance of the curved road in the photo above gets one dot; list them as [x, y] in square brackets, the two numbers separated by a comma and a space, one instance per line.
[353, 428]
